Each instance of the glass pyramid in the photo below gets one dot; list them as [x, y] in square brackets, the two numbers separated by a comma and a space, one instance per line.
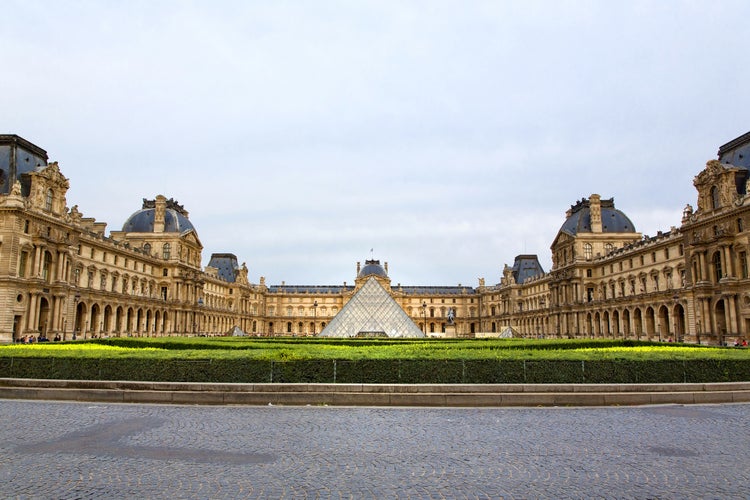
[371, 312]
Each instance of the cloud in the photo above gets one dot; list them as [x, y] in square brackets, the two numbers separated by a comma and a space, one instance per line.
[448, 137]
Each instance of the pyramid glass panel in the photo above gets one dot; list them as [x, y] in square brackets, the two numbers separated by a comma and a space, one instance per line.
[371, 312]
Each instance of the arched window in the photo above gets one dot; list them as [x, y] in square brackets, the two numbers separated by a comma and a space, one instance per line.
[47, 266]
[715, 202]
[717, 266]
[608, 248]
[48, 200]
[588, 251]
[147, 248]
[166, 251]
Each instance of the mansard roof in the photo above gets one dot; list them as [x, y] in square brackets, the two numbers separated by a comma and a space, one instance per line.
[226, 264]
[613, 220]
[142, 221]
[525, 267]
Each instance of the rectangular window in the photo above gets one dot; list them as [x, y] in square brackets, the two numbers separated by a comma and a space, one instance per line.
[743, 264]
[22, 264]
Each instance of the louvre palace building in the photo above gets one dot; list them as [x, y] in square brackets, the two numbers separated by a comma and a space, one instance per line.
[63, 277]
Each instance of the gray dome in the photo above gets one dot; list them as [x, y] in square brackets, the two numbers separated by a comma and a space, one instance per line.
[143, 222]
[613, 220]
[372, 268]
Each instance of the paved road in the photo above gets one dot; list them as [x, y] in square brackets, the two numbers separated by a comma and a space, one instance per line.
[76, 450]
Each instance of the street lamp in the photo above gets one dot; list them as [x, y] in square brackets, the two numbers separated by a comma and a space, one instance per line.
[76, 319]
[676, 299]
[315, 316]
[424, 316]
[197, 318]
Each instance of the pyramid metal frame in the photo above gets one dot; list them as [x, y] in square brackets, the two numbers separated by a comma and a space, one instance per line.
[371, 312]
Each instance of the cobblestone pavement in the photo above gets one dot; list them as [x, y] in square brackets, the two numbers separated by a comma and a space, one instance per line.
[77, 450]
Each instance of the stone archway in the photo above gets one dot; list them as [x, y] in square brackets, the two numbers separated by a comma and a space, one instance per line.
[607, 324]
[650, 323]
[664, 326]
[79, 324]
[95, 323]
[44, 311]
[107, 320]
[678, 313]
[638, 323]
[615, 323]
[720, 319]
[627, 331]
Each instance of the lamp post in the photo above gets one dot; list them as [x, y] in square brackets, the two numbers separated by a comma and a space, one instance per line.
[315, 316]
[76, 299]
[698, 331]
[676, 299]
[197, 317]
[424, 316]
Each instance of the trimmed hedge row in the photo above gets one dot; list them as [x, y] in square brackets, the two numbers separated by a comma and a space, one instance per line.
[390, 371]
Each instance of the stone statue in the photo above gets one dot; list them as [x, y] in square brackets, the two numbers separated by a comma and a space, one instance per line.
[16, 189]
[451, 316]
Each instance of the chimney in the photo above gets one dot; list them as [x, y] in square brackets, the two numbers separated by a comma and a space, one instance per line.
[161, 208]
[357, 268]
[595, 209]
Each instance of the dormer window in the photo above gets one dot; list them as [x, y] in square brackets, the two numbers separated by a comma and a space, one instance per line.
[715, 202]
[48, 201]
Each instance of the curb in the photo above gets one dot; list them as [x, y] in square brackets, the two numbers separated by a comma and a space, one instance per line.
[435, 395]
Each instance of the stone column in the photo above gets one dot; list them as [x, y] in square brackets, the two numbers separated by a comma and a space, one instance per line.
[728, 261]
[33, 312]
[37, 271]
[730, 304]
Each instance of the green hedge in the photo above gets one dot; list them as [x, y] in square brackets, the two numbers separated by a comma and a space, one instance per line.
[386, 371]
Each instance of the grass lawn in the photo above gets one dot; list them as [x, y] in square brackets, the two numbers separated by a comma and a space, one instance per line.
[290, 349]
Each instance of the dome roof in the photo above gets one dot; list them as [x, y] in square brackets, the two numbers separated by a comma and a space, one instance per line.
[142, 221]
[372, 268]
[613, 220]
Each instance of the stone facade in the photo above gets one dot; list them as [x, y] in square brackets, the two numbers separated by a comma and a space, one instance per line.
[62, 276]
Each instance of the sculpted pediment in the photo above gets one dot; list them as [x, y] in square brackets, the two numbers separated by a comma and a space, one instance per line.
[190, 236]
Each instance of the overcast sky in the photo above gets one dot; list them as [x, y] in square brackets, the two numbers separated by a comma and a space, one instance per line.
[448, 137]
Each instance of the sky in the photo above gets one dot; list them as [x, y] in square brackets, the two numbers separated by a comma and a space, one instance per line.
[442, 137]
